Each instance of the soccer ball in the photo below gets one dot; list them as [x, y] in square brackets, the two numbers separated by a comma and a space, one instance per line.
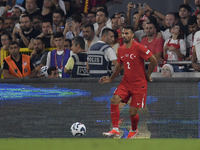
[43, 71]
[78, 129]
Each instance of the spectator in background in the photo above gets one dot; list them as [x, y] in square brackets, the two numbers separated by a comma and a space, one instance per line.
[68, 44]
[48, 8]
[38, 53]
[121, 22]
[198, 20]
[101, 18]
[9, 26]
[170, 21]
[167, 71]
[103, 6]
[77, 63]
[91, 17]
[46, 35]
[58, 16]
[184, 13]
[37, 23]
[114, 22]
[5, 40]
[31, 8]
[17, 65]
[115, 45]
[53, 72]
[151, 42]
[175, 48]
[193, 28]
[83, 22]
[59, 57]
[16, 12]
[76, 24]
[39, 3]
[100, 55]
[89, 36]
[25, 33]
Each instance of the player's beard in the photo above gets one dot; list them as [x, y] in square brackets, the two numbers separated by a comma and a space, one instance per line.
[126, 40]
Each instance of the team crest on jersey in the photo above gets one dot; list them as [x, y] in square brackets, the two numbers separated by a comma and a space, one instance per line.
[25, 70]
[15, 70]
[132, 56]
[24, 63]
[126, 55]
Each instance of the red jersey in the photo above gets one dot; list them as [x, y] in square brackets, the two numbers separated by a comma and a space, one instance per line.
[155, 46]
[133, 60]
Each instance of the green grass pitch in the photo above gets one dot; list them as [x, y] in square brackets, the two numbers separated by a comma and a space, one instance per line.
[99, 144]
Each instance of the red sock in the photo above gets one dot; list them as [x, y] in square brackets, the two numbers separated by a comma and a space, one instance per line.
[134, 122]
[114, 112]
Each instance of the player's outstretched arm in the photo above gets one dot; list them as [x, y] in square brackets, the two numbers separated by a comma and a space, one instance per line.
[153, 62]
[106, 79]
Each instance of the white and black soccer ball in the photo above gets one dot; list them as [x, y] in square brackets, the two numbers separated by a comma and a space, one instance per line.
[78, 129]
[43, 71]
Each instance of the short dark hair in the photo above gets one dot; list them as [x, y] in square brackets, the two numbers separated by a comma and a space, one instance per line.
[50, 69]
[70, 42]
[106, 30]
[2, 20]
[112, 17]
[41, 39]
[39, 17]
[192, 20]
[92, 12]
[89, 25]
[186, 6]
[58, 35]
[13, 43]
[102, 5]
[27, 16]
[129, 27]
[18, 8]
[77, 18]
[79, 40]
[9, 36]
[8, 18]
[47, 20]
[59, 11]
[104, 11]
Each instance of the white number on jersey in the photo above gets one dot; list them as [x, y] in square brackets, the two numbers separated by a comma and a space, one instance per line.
[128, 63]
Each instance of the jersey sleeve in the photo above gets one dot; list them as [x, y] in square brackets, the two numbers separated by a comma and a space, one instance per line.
[144, 52]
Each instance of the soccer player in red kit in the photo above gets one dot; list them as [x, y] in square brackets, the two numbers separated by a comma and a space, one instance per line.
[131, 55]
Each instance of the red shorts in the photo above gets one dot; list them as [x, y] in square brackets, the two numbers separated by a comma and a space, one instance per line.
[138, 95]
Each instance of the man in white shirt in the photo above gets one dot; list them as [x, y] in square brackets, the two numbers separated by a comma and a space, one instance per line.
[89, 36]
[101, 18]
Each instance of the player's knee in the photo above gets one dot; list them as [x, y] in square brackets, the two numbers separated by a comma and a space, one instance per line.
[132, 112]
[115, 100]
